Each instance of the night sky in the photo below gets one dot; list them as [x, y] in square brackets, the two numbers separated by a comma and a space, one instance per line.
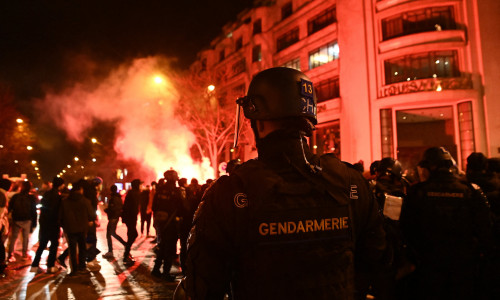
[39, 38]
[45, 45]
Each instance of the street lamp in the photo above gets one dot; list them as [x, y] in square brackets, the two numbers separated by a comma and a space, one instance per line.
[211, 88]
[29, 148]
[158, 80]
[19, 120]
[76, 158]
[94, 141]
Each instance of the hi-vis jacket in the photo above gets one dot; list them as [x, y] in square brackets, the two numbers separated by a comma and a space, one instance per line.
[275, 231]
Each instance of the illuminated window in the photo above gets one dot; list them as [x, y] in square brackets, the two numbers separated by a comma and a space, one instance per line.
[288, 39]
[422, 65]
[257, 26]
[327, 89]
[322, 20]
[323, 55]
[326, 139]
[294, 64]
[286, 10]
[222, 55]
[239, 67]
[422, 20]
[238, 44]
[256, 53]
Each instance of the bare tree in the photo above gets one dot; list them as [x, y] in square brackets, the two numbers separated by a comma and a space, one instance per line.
[201, 108]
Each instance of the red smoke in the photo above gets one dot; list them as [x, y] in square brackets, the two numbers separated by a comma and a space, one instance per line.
[141, 99]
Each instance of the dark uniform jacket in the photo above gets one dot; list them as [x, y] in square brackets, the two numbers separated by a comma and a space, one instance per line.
[49, 211]
[115, 205]
[131, 206]
[274, 230]
[75, 213]
[23, 208]
[167, 202]
[446, 219]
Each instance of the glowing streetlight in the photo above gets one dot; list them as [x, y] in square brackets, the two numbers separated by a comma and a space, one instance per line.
[29, 148]
[94, 160]
[33, 162]
[68, 166]
[211, 88]
[16, 161]
[19, 120]
[158, 80]
[76, 158]
[36, 168]
[94, 141]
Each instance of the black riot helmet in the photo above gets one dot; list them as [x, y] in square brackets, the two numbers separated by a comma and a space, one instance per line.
[279, 93]
[389, 166]
[171, 175]
[437, 158]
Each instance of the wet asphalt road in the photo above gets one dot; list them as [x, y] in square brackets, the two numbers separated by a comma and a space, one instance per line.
[112, 281]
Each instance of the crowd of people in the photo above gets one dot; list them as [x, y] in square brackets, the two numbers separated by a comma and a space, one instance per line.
[71, 215]
[290, 224]
[442, 229]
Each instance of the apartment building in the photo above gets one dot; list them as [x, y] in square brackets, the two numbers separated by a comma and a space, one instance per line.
[392, 77]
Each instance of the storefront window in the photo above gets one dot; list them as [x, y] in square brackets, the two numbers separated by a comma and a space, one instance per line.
[419, 129]
[326, 139]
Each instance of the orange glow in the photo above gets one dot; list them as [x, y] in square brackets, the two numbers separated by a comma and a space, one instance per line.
[142, 106]
[158, 80]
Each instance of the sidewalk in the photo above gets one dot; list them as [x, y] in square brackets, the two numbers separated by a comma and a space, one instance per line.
[113, 281]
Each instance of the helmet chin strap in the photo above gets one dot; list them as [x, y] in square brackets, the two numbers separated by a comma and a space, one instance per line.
[313, 168]
[237, 125]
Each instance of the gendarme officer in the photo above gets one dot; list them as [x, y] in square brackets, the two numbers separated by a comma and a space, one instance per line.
[288, 225]
[447, 226]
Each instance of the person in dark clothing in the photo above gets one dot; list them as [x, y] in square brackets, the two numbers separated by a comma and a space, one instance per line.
[5, 185]
[289, 224]
[22, 206]
[446, 223]
[114, 211]
[145, 215]
[483, 172]
[90, 191]
[167, 207]
[49, 225]
[389, 188]
[187, 209]
[129, 217]
[76, 216]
